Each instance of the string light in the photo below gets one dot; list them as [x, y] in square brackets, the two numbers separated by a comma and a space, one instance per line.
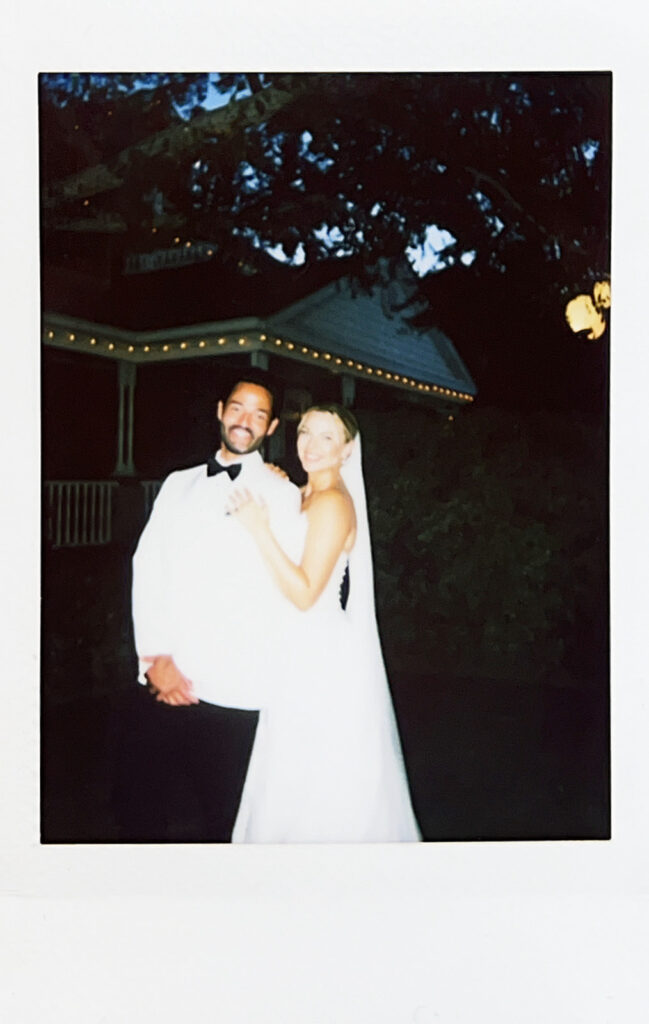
[188, 245]
[462, 396]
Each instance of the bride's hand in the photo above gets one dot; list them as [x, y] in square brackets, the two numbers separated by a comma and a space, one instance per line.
[276, 469]
[250, 513]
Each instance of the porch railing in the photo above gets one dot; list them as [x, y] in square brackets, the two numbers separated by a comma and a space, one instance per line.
[79, 512]
[150, 488]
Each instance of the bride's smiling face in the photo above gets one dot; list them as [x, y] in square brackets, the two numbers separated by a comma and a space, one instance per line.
[321, 442]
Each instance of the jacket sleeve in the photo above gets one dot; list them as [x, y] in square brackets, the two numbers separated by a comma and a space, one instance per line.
[149, 608]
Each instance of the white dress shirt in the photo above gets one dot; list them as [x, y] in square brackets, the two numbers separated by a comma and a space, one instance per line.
[201, 592]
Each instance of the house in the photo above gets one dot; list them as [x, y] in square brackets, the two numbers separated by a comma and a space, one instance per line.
[336, 343]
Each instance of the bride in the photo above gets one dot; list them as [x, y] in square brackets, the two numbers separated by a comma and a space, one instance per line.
[326, 764]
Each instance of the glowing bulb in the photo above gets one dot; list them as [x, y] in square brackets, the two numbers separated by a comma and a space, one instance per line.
[165, 348]
[93, 341]
[290, 346]
[71, 337]
[278, 341]
[146, 348]
[262, 337]
[327, 356]
[221, 341]
[338, 361]
[50, 334]
[202, 344]
[131, 348]
[111, 346]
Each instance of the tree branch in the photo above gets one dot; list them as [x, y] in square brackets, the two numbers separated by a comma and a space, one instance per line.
[235, 117]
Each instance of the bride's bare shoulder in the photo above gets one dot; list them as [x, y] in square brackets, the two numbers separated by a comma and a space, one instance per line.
[331, 501]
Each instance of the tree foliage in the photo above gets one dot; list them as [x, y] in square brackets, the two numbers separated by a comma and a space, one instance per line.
[490, 544]
[515, 167]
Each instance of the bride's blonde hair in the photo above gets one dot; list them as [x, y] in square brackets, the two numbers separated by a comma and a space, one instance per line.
[347, 419]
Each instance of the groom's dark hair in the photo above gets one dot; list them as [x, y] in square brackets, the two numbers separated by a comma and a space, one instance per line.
[260, 380]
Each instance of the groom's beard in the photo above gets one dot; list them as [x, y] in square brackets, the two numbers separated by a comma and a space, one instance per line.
[235, 449]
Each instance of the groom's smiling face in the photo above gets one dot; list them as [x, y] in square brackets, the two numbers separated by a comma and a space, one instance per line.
[245, 419]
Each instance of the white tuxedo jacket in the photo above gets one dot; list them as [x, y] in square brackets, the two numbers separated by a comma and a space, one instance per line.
[201, 592]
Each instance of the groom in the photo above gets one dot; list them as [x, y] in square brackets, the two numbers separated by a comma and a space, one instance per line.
[210, 628]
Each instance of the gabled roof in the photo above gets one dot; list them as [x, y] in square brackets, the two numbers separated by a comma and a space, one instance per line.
[363, 328]
[362, 335]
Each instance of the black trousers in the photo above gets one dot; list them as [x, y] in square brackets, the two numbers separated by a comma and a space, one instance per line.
[177, 772]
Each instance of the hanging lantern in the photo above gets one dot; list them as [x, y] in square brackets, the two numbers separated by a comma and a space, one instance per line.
[586, 313]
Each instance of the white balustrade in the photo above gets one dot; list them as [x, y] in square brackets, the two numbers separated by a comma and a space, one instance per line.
[151, 488]
[79, 512]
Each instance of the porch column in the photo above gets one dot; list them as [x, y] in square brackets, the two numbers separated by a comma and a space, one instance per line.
[126, 391]
[259, 359]
[348, 390]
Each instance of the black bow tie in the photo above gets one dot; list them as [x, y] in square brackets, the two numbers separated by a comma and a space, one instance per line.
[214, 467]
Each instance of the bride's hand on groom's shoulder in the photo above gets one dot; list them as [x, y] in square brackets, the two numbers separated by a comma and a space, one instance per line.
[277, 470]
[250, 512]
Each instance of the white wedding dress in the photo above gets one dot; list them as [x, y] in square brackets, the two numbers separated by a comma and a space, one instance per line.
[326, 764]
